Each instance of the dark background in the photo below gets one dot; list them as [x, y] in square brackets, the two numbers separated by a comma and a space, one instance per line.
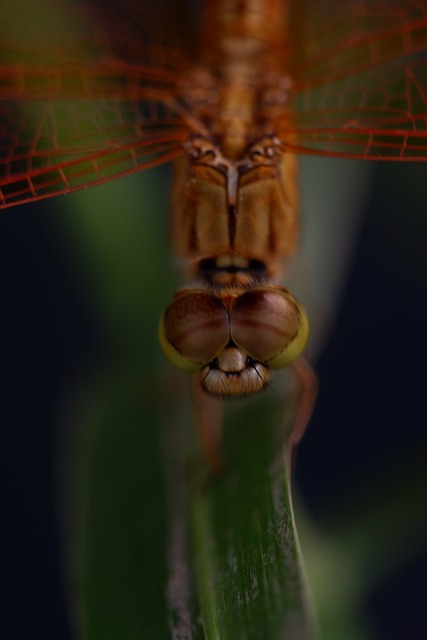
[370, 416]
[368, 435]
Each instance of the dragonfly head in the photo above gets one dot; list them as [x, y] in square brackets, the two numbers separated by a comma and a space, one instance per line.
[233, 336]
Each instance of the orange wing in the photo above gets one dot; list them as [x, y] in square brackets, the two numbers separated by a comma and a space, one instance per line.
[85, 96]
[360, 70]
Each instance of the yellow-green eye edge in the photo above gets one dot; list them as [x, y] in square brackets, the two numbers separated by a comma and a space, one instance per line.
[175, 357]
[295, 348]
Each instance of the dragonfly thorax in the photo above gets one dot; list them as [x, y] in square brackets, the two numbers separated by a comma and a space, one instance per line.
[235, 209]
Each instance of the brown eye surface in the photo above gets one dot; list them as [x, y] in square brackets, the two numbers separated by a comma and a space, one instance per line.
[265, 322]
[194, 328]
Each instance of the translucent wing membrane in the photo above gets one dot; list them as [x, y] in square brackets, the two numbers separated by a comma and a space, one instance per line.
[87, 93]
[335, 38]
[369, 115]
[48, 148]
[360, 80]
[70, 31]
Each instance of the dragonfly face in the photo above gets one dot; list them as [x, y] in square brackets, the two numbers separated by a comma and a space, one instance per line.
[87, 97]
[233, 335]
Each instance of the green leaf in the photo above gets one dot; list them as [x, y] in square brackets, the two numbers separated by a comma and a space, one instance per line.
[248, 567]
[161, 553]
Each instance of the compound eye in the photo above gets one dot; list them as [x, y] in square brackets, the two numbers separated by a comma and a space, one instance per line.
[295, 347]
[269, 325]
[193, 329]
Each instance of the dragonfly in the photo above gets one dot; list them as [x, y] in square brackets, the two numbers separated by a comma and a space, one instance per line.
[231, 91]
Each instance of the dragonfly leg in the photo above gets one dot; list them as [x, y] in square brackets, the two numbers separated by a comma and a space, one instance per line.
[208, 418]
[305, 398]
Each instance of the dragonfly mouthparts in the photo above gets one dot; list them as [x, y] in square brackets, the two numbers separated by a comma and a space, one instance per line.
[233, 373]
